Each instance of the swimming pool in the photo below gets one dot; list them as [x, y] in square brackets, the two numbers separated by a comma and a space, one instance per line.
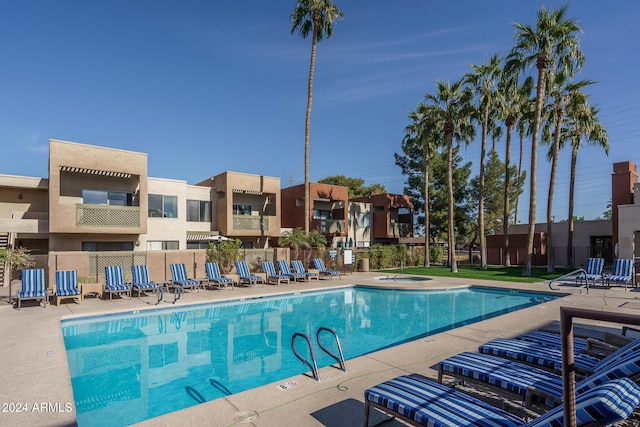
[126, 368]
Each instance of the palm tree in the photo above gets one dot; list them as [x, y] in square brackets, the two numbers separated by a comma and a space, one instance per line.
[552, 43]
[512, 102]
[483, 81]
[561, 90]
[420, 132]
[451, 107]
[315, 17]
[295, 239]
[583, 125]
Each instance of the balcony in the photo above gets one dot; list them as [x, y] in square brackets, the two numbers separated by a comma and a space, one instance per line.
[399, 229]
[107, 216]
[331, 226]
[250, 223]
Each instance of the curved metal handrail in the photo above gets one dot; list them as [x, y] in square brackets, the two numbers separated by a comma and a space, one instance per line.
[339, 359]
[579, 270]
[314, 367]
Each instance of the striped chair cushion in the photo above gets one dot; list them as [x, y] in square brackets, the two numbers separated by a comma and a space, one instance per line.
[179, 275]
[267, 267]
[283, 266]
[319, 264]
[213, 273]
[140, 277]
[548, 339]
[243, 271]
[67, 283]
[535, 354]
[33, 285]
[428, 403]
[299, 267]
[114, 278]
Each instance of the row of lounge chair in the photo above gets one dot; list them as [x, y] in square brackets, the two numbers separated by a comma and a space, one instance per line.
[622, 273]
[526, 366]
[66, 281]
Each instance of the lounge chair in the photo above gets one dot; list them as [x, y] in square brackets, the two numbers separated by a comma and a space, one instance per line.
[420, 401]
[244, 275]
[272, 276]
[298, 267]
[180, 280]
[33, 286]
[283, 266]
[323, 270]
[551, 358]
[532, 383]
[140, 280]
[114, 281]
[213, 275]
[622, 273]
[594, 272]
[67, 286]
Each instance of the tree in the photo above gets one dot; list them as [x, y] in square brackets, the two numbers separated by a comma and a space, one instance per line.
[315, 17]
[513, 101]
[583, 125]
[296, 239]
[16, 258]
[224, 253]
[355, 185]
[421, 139]
[452, 109]
[561, 90]
[552, 43]
[483, 81]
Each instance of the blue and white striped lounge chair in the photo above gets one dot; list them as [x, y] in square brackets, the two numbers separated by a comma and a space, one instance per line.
[532, 383]
[622, 272]
[33, 286]
[594, 272]
[180, 280]
[214, 275]
[420, 401]
[67, 286]
[272, 276]
[140, 280]
[245, 276]
[283, 266]
[548, 339]
[298, 266]
[319, 263]
[114, 281]
[533, 353]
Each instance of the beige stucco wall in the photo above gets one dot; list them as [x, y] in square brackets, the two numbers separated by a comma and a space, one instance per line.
[628, 227]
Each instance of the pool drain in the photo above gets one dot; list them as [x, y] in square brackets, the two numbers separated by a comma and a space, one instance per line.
[245, 416]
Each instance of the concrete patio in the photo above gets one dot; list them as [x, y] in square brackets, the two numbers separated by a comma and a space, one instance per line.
[35, 388]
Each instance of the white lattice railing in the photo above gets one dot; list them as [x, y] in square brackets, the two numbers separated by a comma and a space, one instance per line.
[107, 216]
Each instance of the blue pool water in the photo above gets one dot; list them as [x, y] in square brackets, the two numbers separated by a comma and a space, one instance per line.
[130, 367]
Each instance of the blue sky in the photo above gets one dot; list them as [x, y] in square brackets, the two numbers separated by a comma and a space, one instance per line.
[205, 87]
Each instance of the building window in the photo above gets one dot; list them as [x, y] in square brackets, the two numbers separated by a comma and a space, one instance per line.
[160, 245]
[197, 245]
[107, 246]
[199, 210]
[321, 214]
[161, 206]
[101, 197]
[242, 209]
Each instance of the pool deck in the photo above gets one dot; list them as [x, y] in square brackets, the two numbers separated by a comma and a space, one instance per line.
[35, 383]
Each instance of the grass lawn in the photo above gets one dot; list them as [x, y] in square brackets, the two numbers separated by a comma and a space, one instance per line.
[507, 274]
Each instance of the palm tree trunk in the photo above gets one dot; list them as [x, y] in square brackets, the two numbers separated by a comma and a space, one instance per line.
[451, 233]
[426, 205]
[483, 148]
[534, 164]
[507, 191]
[572, 179]
[307, 128]
[521, 135]
[551, 261]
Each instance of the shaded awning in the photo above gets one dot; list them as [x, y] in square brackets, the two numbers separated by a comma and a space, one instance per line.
[205, 237]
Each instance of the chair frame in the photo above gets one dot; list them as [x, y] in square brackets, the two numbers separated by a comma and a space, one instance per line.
[244, 274]
[73, 277]
[181, 280]
[593, 271]
[322, 269]
[40, 286]
[144, 284]
[272, 277]
[213, 275]
[298, 267]
[618, 276]
[121, 288]
[283, 267]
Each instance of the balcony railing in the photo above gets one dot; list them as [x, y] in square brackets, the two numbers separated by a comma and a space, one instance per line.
[107, 216]
[331, 226]
[250, 223]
